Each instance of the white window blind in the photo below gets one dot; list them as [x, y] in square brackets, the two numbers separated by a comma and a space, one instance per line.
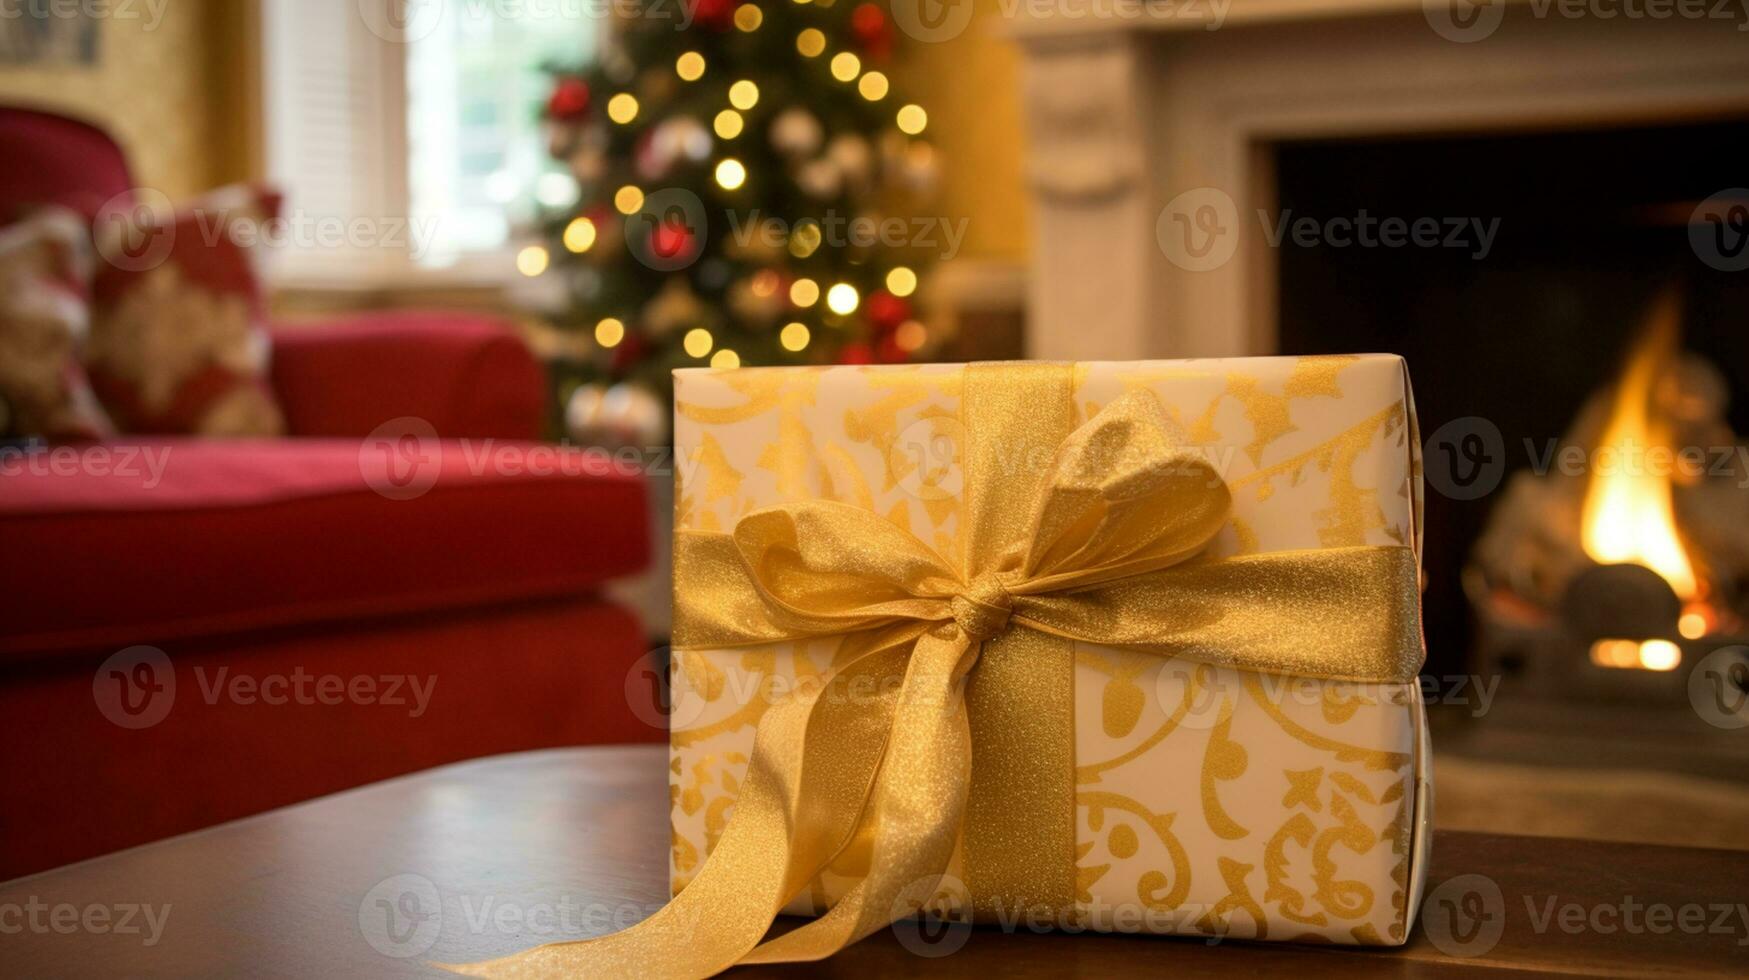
[336, 140]
[407, 135]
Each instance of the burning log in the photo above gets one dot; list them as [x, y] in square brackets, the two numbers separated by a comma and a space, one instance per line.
[1644, 548]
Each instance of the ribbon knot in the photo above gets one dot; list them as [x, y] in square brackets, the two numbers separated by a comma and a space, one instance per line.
[982, 610]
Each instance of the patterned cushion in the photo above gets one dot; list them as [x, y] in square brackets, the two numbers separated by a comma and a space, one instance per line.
[44, 316]
[178, 339]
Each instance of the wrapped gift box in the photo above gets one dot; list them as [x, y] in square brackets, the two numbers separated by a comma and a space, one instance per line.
[1206, 799]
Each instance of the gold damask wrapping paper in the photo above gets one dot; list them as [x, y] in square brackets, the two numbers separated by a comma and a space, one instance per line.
[1206, 799]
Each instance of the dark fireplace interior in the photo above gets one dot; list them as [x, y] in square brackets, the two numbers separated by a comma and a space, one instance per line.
[1594, 225]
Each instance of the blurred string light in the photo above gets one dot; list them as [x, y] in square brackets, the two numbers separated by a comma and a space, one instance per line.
[811, 43]
[748, 17]
[873, 86]
[726, 360]
[628, 199]
[804, 293]
[912, 119]
[690, 66]
[795, 337]
[622, 108]
[843, 299]
[846, 66]
[728, 124]
[580, 235]
[556, 190]
[901, 281]
[744, 95]
[533, 260]
[698, 342]
[911, 336]
[766, 282]
[731, 174]
[609, 332]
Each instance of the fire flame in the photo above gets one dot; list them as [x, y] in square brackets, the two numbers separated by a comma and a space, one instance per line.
[1629, 514]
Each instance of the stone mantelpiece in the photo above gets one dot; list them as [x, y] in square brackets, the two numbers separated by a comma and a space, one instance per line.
[1124, 116]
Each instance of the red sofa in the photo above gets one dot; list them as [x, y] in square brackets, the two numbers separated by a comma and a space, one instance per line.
[193, 631]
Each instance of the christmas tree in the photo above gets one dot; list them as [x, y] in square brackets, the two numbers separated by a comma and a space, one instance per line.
[741, 179]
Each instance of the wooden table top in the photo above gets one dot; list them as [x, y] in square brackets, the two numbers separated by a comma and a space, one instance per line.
[567, 844]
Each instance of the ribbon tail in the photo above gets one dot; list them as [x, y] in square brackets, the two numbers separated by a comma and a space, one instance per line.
[916, 811]
[815, 758]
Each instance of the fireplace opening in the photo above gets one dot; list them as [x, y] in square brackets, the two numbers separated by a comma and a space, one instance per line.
[1573, 299]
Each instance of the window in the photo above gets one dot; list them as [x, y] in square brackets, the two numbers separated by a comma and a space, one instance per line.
[415, 150]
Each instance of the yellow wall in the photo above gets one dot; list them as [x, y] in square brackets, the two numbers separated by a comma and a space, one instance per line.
[171, 92]
[971, 87]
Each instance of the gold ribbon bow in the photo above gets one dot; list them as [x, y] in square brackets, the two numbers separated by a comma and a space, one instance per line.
[1102, 546]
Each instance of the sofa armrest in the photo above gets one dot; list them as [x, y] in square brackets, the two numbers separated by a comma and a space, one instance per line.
[469, 375]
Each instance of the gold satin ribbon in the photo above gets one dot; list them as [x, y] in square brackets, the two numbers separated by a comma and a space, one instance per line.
[1103, 546]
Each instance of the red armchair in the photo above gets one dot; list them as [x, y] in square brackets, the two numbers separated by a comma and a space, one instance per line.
[194, 631]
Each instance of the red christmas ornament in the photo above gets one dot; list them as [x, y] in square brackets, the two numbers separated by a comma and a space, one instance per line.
[872, 29]
[716, 15]
[570, 100]
[856, 353]
[886, 311]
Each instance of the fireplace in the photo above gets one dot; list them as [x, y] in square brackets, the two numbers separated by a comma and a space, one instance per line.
[1581, 148]
[1580, 323]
